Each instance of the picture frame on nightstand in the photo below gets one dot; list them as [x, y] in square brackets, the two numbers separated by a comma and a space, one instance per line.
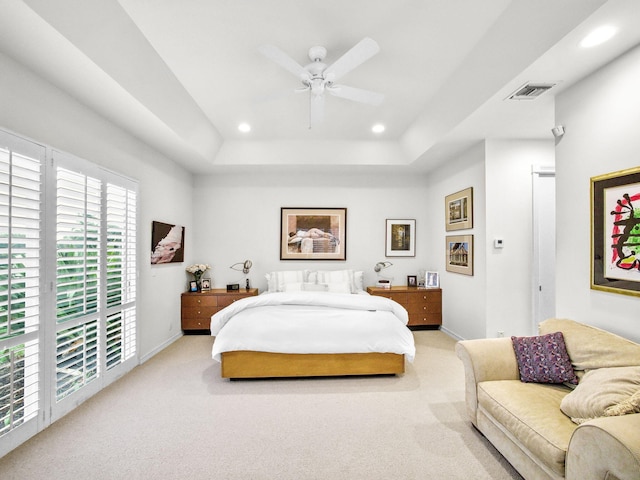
[206, 284]
[412, 281]
[193, 286]
[433, 280]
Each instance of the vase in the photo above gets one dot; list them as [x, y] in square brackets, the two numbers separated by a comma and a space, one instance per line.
[198, 277]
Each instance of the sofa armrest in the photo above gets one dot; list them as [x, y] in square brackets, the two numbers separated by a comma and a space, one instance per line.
[605, 448]
[484, 360]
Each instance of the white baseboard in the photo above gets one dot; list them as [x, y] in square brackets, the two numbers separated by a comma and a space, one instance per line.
[160, 347]
[450, 333]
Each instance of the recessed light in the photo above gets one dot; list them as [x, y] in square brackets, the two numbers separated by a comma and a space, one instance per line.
[244, 127]
[598, 36]
[377, 128]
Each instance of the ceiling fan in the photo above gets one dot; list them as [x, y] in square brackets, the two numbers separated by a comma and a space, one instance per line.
[318, 78]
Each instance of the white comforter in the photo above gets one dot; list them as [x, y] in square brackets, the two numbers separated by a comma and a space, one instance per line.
[311, 322]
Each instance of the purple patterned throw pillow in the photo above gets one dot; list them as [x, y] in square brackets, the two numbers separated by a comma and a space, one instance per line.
[544, 359]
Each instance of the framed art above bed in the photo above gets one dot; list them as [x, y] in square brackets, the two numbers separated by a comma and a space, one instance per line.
[313, 233]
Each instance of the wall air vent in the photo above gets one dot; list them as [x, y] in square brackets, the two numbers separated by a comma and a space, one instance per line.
[530, 91]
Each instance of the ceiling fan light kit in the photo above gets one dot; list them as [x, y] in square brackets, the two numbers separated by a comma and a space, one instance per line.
[318, 78]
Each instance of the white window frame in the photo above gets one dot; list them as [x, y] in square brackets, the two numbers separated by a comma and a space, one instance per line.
[49, 408]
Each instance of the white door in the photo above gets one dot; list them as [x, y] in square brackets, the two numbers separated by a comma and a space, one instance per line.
[544, 245]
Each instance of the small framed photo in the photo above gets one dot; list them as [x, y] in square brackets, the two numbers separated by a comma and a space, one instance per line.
[433, 280]
[412, 281]
[401, 238]
[206, 284]
[459, 254]
[193, 286]
[459, 210]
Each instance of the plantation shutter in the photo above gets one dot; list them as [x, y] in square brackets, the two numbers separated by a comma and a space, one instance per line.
[96, 272]
[78, 226]
[68, 280]
[121, 275]
[20, 273]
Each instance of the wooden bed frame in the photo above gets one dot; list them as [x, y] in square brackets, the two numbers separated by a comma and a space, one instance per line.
[249, 364]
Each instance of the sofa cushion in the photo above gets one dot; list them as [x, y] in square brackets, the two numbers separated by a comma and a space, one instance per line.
[600, 389]
[543, 359]
[589, 347]
[530, 412]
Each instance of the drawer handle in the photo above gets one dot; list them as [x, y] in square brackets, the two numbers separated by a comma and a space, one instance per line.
[199, 312]
[198, 300]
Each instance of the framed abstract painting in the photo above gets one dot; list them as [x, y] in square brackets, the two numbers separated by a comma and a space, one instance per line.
[615, 232]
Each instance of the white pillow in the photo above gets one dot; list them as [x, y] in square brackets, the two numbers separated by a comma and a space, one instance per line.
[277, 280]
[314, 287]
[293, 287]
[358, 279]
[339, 287]
[599, 389]
[337, 276]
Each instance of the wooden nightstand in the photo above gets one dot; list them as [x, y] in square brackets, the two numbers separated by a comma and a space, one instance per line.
[423, 304]
[198, 307]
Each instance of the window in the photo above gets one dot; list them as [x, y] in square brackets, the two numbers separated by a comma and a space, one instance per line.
[67, 283]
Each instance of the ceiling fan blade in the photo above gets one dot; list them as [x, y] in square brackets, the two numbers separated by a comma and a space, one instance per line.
[360, 53]
[356, 94]
[285, 61]
[316, 110]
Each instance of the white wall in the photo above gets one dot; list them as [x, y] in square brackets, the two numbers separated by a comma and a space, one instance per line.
[601, 115]
[498, 296]
[239, 219]
[35, 109]
[463, 296]
[509, 215]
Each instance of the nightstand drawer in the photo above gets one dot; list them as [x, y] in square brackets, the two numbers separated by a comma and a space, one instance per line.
[196, 323]
[229, 299]
[200, 301]
[198, 312]
[425, 296]
[425, 318]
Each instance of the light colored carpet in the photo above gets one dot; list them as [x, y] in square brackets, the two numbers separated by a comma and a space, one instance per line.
[175, 418]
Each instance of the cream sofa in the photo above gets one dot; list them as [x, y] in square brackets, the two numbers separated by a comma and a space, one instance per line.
[524, 421]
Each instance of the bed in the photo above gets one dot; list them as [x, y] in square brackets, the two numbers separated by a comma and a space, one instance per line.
[300, 333]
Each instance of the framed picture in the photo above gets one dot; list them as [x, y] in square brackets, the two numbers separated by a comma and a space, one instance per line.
[313, 234]
[193, 286]
[459, 210]
[615, 232]
[412, 281]
[167, 243]
[206, 284]
[401, 238]
[459, 251]
[433, 280]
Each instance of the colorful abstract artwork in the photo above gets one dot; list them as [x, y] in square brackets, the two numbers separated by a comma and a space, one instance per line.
[616, 232]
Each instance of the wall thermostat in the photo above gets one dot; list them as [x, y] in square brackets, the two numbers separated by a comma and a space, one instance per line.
[497, 243]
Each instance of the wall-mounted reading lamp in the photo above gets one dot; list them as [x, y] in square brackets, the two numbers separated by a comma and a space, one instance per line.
[381, 266]
[244, 267]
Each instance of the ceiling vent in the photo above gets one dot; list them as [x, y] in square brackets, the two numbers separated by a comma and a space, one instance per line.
[530, 91]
